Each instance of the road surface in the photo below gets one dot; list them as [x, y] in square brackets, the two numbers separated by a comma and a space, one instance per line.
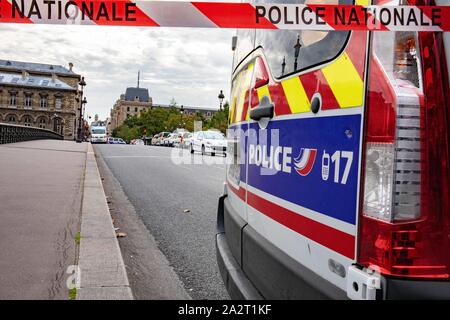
[177, 203]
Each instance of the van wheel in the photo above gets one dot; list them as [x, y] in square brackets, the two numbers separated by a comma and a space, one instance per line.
[213, 154]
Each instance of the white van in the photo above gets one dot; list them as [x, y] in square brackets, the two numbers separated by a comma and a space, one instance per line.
[98, 134]
[340, 184]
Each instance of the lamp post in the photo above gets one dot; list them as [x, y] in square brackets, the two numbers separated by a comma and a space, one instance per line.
[181, 114]
[82, 83]
[221, 97]
[283, 66]
[83, 103]
[297, 52]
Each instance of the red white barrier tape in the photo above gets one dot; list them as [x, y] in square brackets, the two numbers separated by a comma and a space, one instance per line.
[226, 15]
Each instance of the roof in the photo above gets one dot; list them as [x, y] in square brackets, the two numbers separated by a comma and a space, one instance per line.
[141, 93]
[35, 67]
[203, 109]
[33, 81]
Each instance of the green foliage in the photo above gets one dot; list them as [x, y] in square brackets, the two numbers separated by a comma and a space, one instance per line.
[158, 120]
[73, 294]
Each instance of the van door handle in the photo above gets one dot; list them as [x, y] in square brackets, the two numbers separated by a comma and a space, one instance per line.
[265, 109]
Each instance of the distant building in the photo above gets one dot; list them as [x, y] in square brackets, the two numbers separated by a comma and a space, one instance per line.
[39, 95]
[131, 103]
[206, 112]
[136, 100]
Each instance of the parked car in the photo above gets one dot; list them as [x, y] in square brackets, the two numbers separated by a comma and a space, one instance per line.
[168, 141]
[161, 138]
[184, 141]
[154, 139]
[112, 140]
[139, 142]
[174, 139]
[211, 142]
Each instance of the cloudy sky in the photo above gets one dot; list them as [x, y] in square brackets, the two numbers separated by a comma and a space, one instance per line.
[190, 65]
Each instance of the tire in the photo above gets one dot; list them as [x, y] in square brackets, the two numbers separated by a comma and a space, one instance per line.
[213, 154]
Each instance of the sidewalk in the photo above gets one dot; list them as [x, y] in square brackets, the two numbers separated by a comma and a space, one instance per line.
[49, 191]
[40, 205]
[102, 270]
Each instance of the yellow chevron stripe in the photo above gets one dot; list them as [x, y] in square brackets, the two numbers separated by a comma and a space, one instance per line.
[243, 88]
[236, 86]
[362, 2]
[296, 95]
[345, 82]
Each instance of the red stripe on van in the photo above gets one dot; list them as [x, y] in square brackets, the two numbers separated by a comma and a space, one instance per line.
[327, 236]
[239, 192]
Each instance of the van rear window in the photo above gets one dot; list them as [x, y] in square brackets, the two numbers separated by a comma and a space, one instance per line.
[289, 51]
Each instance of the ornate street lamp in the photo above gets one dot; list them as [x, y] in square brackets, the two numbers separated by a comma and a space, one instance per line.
[181, 113]
[283, 66]
[83, 103]
[82, 84]
[221, 97]
[297, 52]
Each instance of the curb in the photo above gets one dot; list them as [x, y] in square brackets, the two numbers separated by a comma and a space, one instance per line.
[102, 274]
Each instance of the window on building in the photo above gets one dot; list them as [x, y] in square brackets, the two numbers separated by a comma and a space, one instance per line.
[27, 121]
[208, 114]
[12, 119]
[13, 99]
[135, 109]
[58, 103]
[42, 123]
[43, 103]
[128, 108]
[28, 101]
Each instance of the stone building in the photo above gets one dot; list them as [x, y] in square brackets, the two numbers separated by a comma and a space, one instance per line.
[131, 103]
[39, 95]
[206, 112]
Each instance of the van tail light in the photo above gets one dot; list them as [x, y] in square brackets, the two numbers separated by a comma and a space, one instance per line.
[405, 205]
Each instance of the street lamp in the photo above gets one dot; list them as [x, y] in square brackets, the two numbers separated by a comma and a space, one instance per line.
[221, 97]
[181, 113]
[83, 103]
[297, 52]
[82, 83]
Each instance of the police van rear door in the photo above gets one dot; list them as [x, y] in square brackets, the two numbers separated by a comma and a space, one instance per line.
[304, 164]
[241, 83]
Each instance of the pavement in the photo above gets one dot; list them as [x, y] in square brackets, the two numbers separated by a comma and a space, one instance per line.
[40, 206]
[160, 191]
[49, 191]
[101, 267]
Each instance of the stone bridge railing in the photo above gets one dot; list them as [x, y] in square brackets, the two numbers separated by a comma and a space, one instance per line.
[10, 133]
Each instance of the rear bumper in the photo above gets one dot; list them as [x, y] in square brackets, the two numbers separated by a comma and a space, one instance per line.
[397, 289]
[252, 268]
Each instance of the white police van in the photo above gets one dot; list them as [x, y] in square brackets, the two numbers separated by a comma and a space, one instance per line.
[340, 185]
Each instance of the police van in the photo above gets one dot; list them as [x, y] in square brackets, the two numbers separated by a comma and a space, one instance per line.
[339, 186]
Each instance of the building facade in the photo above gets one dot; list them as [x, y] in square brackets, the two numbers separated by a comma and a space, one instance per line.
[207, 113]
[131, 103]
[40, 95]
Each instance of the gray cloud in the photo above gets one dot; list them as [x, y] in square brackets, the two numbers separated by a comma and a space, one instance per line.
[191, 65]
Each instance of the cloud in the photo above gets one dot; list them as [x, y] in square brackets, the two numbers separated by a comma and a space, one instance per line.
[191, 65]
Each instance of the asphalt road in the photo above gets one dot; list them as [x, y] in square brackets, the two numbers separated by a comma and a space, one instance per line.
[161, 189]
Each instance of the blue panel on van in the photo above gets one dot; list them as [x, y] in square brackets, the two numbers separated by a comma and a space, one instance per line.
[302, 166]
